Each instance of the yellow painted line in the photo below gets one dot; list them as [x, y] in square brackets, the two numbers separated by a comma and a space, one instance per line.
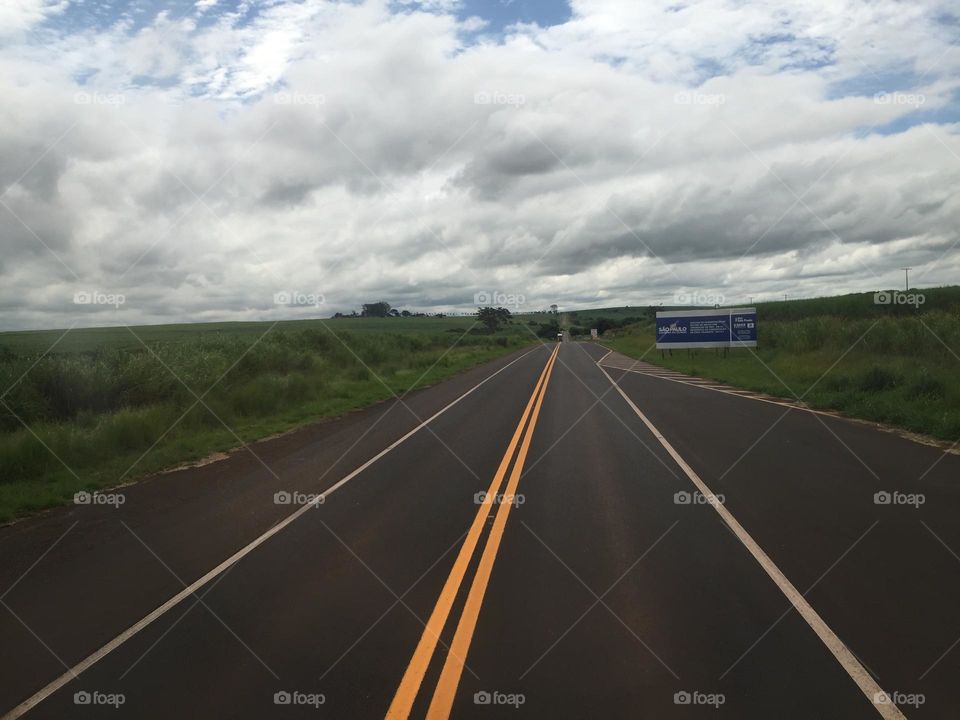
[446, 691]
[95, 657]
[413, 677]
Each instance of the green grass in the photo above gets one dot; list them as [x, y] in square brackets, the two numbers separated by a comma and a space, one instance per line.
[93, 339]
[99, 400]
[98, 409]
[891, 365]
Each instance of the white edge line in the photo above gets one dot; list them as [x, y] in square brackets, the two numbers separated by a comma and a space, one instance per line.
[736, 392]
[90, 660]
[834, 644]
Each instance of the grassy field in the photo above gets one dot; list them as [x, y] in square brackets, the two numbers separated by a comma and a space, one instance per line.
[95, 407]
[108, 405]
[892, 364]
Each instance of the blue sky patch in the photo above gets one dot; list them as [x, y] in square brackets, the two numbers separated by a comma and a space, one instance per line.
[503, 13]
[870, 84]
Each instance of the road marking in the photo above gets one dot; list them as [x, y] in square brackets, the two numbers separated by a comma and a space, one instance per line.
[87, 662]
[834, 644]
[730, 391]
[409, 687]
[443, 697]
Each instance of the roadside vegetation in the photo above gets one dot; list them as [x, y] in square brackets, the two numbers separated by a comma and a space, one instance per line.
[895, 364]
[107, 405]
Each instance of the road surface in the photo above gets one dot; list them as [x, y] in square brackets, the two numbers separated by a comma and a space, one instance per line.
[562, 533]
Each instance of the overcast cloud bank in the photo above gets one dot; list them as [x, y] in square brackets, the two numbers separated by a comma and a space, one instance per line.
[199, 159]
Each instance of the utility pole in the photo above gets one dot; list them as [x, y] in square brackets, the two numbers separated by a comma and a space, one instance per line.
[906, 278]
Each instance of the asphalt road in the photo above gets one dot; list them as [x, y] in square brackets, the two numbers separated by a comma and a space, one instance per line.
[646, 548]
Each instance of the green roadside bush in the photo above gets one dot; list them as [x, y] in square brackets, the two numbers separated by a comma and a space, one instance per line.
[75, 420]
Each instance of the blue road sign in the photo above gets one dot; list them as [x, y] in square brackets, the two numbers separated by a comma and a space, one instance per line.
[728, 327]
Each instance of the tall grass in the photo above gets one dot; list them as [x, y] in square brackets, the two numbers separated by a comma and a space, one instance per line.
[895, 366]
[91, 418]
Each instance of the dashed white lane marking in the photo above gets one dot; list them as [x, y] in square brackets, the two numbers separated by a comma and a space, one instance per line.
[84, 664]
[875, 694]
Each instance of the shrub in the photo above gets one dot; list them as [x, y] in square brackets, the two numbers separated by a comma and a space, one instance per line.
[928, 386]
[878, 378]
[91, 407]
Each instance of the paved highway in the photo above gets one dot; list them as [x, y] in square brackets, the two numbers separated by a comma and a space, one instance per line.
[562, 533]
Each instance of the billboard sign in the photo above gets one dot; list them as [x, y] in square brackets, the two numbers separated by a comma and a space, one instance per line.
[729, 327]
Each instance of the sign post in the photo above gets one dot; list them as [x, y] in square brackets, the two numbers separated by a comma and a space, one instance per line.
[726, 328]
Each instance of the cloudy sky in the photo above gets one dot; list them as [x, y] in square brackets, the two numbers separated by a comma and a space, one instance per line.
[196, 159]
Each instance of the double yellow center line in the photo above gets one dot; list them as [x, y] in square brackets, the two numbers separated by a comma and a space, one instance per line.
[443, 696]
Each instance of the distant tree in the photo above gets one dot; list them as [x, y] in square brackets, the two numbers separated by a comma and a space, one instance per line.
[603, 324]
[406, 313]
[554, 309]
[377, 309]
[394, 312]
[493, 318]
[549, 329]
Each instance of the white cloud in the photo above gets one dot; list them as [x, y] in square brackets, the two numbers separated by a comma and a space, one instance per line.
[359, 153]
[17, 16]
